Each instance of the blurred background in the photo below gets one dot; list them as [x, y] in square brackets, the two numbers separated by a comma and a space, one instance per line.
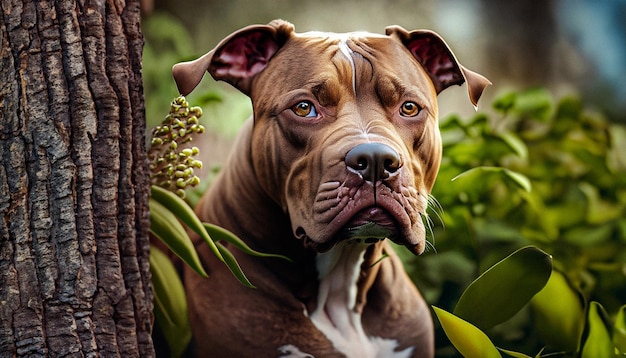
[544, 158]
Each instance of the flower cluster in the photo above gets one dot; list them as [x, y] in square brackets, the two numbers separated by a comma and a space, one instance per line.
[171, 158]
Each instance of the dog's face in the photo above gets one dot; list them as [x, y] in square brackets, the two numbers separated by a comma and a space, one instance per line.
[357, 91]
[346, 137]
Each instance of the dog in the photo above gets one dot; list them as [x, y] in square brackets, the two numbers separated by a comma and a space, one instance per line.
[339, 159]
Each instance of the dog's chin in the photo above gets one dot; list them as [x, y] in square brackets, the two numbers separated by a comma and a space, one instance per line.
[368, 226]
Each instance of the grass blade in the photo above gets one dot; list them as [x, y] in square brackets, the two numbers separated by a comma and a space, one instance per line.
[219, 233]
[180, 208]
[166, 227]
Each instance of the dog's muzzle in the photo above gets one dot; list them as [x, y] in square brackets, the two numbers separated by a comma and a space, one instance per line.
[374, 210]
[372, 162]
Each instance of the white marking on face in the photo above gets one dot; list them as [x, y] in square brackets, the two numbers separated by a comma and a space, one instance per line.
[335, 315]
[343, 45]
[347, 51]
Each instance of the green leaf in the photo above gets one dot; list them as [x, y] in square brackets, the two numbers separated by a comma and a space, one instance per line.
[534, 103]
[598, 343]
[219, 233]
[521, 180]
[170, 303]
[466, 338]
[514, 143]
[479, 173]
[559, 321]
[165, 226]
[588, 236]
[619, 331]
[505, 102]
[233, 265]
[180, 208]
[599, 210]
[502, 290]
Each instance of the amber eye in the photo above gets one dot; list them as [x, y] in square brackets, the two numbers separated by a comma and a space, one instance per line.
[410, 109]
[304, 109]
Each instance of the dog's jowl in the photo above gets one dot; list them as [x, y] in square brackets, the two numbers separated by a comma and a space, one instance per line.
[338, 160]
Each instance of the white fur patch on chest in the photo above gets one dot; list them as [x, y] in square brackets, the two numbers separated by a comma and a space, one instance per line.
[335, 315]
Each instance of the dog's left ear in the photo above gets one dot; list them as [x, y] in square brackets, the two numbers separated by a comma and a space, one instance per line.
[437, 59]
[237, 59]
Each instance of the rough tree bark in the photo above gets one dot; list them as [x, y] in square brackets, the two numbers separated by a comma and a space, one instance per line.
[74, 271]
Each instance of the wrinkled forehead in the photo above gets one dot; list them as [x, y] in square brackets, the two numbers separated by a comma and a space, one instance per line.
[348, 57]
[341, 41]
[341, 67]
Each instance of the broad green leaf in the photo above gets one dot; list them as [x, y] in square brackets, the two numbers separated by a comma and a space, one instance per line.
[598, 343]
[166, 227]
[619, 331]
[170, 303]
[506, 287]
[219, 233]
[182, 211]
[559, 321]
[466, 338]
[478, 173]
[233, 265]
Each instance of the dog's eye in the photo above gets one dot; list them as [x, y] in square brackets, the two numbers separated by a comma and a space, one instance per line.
[410, 109]
[304, 109]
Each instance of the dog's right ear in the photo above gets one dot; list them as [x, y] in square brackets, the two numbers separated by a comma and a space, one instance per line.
[237, 59]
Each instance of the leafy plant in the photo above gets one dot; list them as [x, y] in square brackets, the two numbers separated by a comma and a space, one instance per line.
[172, 163]
[551, 175]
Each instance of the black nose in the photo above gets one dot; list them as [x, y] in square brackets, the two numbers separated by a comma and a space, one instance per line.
[373, 161]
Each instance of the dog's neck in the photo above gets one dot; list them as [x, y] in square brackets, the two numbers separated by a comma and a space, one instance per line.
[237, 202]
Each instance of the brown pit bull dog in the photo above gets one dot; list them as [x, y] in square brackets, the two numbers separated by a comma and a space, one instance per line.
[341, 154]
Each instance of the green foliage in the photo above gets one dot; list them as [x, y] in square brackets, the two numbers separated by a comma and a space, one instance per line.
[170, 303]
[167, 42]
[220, 234]
[469, 340]
[619, 332]
[171, 167]
[165, 226]
[563, 319]
[598, 342]
[536, 172]
[501, 291]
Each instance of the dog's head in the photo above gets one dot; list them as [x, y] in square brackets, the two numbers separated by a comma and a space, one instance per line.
[346, 137]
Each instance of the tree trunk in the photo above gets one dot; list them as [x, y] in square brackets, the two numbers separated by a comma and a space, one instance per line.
[74, 269]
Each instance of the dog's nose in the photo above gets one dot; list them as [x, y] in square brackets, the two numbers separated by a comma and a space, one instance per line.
[373, 161]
